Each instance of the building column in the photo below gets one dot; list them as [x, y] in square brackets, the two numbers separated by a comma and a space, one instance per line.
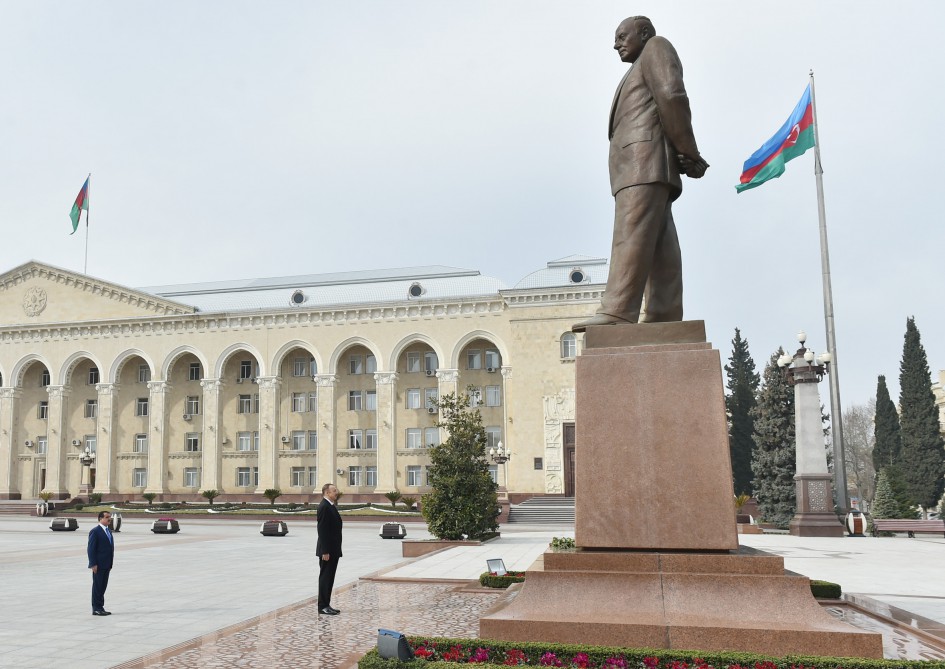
[447, 379]
[269, 432]
[506, 421]
[386, 431]
[211, 440]
[326, 431]
[103, 438]
[56, 451]
[9, 399]
[157, 448]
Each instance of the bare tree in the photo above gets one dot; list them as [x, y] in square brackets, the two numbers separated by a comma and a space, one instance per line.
[858, 441]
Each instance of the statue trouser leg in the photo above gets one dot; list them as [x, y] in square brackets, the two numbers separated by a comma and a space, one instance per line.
[645, 257]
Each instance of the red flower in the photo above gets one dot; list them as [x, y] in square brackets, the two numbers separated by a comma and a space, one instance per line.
[515, 657]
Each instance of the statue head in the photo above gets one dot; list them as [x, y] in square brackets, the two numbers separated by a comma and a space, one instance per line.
[631, 37]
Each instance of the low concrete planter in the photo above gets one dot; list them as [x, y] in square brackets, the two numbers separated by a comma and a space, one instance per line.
[165, 526]
[64, 525]
[417, 548]
[274, 528]
[393, 531]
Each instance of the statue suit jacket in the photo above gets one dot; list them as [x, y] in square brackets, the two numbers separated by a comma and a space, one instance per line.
[650, 121]
[101, 551]
[328, 521]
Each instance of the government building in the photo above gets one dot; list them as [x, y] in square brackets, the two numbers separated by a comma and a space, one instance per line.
[245, 385]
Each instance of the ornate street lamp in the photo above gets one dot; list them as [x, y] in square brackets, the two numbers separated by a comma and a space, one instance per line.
[815, 516]
[86, 459]
[499, 455]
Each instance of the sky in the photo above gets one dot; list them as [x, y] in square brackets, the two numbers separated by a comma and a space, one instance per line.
[234, 139]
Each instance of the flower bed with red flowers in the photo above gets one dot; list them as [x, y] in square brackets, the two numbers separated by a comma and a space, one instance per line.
[490, 579]
[490, 654]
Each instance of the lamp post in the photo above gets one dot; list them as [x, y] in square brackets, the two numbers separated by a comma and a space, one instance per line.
[87, 459]
[500, 456]
[814, 516]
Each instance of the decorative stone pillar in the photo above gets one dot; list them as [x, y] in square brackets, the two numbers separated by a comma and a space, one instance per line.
[56, 454]
[9, 399]
[212, 438]
[558, 409]
[326, 431]
[269, 432]
[157, 427]
[386, 431]
[815, 516]
[104, 446]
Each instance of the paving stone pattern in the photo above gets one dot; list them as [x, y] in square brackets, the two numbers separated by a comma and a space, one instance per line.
[301, 638]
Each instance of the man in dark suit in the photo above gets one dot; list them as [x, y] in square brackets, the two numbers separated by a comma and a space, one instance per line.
[328, 547]
[651, 144]
[101, 550]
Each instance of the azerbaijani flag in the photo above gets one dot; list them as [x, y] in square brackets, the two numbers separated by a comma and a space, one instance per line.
[81, 202]
[791, 141]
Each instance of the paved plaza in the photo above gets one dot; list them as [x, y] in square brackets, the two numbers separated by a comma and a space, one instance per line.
[218, 594]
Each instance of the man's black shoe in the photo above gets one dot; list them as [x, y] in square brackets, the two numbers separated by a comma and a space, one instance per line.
[334, 609]
[101, 612]
[328, 611]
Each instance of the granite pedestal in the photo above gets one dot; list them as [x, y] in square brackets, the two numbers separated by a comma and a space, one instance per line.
[658, 563]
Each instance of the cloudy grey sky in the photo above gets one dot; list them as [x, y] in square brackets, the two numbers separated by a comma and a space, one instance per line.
[234, 139]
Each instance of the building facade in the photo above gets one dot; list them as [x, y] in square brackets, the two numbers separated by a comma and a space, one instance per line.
[288, 383]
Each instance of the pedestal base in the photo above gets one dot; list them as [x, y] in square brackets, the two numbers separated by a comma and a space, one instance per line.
[814, 517]
[740, 601]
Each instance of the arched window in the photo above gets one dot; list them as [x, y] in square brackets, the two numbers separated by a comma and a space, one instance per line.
[568, 346]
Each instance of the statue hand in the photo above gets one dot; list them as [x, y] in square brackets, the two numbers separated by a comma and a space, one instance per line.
[694, 169]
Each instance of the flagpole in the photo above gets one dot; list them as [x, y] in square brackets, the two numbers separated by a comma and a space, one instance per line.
[836, 413]
[85, 269]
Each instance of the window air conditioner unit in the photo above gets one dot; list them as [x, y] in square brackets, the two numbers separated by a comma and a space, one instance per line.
[239, 379]
[431, 410]
[285, 440]
[340, 472]
[491, 370]
[254, 380]
[187, 416]
[431, 372]
[29, 444]
[76, 442]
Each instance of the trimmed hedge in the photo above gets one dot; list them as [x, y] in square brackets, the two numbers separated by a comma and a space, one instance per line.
[488, 579]
[490, 654]
[825, 589]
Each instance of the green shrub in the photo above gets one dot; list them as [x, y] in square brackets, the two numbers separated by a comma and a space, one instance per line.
[272, 494]
[562, 544]
[825, 589]
[494, 654]
[210, 495]
[79, 507]
[408, 501]
[393, 496]
[95, 498]
[165, 506]
[150, 497]
[490, 580]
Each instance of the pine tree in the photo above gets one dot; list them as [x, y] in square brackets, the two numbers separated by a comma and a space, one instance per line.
[884, 503]
[773, 457]
[463, 501]
[922, 457]
[887, 439]
[743, 382]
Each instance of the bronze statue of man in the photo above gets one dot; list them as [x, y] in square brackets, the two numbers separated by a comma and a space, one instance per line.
[651, 145]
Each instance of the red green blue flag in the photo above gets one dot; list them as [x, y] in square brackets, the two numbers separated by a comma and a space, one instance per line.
[81, 202]
[791, 141]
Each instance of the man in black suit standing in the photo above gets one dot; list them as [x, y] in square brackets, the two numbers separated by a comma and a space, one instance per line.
[328, 547]
[101, 552]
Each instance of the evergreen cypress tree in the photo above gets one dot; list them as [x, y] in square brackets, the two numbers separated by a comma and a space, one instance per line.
[743, 382]
[900, 492]
[884, 503]
[773, 457]
[922, 458]
[887, 443]
[463, 501]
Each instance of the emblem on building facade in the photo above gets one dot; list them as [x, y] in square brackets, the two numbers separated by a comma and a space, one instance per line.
[34, 301]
